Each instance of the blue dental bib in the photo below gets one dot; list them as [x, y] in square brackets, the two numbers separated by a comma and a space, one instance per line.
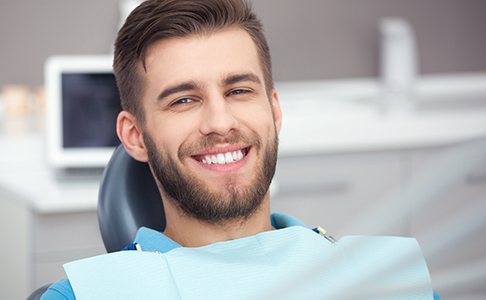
[289, 263]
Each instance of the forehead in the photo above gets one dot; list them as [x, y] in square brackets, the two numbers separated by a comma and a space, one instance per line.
[201, 58]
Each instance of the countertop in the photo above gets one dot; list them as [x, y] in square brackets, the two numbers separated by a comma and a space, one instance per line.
[354, 115]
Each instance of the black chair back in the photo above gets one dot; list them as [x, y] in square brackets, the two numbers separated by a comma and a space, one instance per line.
[128, 199]
[37, 294]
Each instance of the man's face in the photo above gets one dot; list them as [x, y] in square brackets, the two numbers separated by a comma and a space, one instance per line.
[210, 128]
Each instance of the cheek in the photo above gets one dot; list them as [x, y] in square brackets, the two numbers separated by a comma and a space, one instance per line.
[259, 120]
[170, 134]
[258, 112]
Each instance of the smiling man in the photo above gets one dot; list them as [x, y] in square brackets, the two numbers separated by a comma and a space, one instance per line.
[200, 108]
[209, 133]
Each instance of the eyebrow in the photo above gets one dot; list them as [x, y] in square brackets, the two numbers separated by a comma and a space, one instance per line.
[232, 79]
[182, 87]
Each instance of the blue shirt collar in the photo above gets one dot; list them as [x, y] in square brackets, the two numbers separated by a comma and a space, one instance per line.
[152, 240]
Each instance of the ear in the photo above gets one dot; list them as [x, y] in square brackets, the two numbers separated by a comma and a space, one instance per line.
[277, 112]
[131, 136]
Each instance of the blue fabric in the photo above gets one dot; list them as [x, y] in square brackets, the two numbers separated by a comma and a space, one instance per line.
[437, 296]
[60, 290]
[130, 247]
[152, 240]
[280, 221]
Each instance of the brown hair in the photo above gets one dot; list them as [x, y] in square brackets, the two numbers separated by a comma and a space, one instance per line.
[155, 20]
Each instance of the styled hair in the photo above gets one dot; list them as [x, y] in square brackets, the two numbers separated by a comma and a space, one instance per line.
[155, 20]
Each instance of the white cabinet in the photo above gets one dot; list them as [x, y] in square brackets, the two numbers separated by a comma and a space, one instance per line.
[345, 193]
[15, 255]
[36, 245]
[60, 238]
[45, 221]
[447, 188]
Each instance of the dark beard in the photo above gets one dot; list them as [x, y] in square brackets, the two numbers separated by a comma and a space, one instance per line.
[194, 198]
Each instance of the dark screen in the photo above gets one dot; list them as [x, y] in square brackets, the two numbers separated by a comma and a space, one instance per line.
[90, 105]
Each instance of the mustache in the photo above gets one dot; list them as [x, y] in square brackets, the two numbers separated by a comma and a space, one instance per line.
[215, 139]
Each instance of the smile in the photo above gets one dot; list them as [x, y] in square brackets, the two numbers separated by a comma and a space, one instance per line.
[223, 158]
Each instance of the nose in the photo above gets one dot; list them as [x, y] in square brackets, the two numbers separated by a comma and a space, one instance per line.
[218, 117]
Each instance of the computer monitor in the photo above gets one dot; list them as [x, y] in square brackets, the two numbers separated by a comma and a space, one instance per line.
[82, 104]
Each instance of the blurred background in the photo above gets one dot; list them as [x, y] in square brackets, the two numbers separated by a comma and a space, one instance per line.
[384, 129]
[309, 39]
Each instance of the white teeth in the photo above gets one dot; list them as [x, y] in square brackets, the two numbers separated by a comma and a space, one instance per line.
[228, 158]
[223, 158]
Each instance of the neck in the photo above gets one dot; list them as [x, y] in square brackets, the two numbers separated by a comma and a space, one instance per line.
[190, 232]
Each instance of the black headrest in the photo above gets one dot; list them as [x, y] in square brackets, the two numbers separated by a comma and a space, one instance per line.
[128, 199]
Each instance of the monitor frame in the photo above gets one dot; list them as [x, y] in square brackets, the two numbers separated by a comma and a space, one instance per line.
[57, 155]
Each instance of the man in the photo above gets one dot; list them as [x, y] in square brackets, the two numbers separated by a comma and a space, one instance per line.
[200, 108]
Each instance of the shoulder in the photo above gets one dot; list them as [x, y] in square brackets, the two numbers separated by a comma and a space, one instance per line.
[60, 290]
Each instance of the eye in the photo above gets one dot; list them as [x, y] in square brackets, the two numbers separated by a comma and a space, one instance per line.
[183, 104]
[238, 92]
[182, 101]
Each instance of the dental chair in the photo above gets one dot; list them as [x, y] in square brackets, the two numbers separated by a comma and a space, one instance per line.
[128, 199]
